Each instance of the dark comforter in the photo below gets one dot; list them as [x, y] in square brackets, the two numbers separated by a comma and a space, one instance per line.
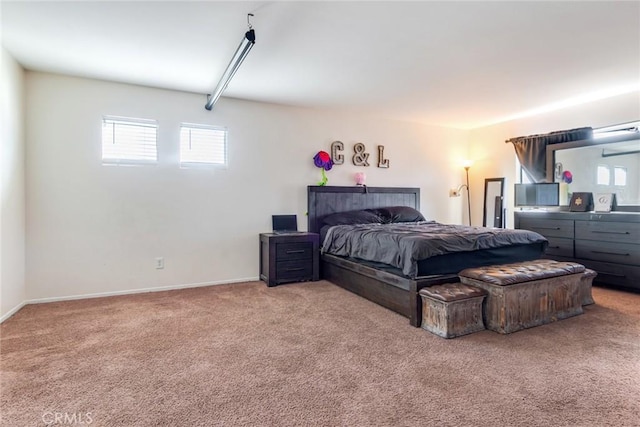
[403, 244]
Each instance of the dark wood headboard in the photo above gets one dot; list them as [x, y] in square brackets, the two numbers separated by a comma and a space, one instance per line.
[325, 200]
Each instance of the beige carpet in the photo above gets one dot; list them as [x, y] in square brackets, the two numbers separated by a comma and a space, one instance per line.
[310, 354]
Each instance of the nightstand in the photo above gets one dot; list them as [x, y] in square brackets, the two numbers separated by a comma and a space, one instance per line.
[289, 257]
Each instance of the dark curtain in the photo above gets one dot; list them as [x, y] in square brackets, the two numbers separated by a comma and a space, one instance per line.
[531, 150]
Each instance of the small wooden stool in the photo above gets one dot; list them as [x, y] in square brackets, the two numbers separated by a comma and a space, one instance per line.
[452, 309]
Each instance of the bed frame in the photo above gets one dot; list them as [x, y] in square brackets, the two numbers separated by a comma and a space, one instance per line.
[393, 291]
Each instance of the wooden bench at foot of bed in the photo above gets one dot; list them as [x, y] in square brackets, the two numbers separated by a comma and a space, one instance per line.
[532, 293]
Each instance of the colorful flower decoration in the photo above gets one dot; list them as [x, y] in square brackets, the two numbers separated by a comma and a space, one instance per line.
[323, 160]
[567, 177]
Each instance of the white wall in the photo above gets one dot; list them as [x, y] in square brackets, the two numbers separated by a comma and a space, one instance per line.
[12, 186]
[493, 158]
[97, 229]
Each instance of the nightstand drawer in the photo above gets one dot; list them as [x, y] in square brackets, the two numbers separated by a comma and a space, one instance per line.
[549, 227]
[560, 247]
[293, 251]
[294, 270]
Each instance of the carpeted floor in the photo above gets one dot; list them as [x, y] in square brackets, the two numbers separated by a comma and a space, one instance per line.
[309, 354]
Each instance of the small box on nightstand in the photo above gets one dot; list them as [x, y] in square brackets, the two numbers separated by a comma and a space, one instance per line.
[289, 257]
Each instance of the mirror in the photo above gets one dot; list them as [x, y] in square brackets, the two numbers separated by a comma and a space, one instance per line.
[607, 165]
[493, 215]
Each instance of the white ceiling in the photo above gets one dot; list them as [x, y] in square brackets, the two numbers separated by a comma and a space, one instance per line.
[460, 64]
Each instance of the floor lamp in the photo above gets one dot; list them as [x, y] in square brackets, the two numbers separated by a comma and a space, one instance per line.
[466, 169]
[456, 192]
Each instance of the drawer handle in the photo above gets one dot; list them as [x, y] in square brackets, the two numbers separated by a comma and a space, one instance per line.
[610, 232]
[612, 274]
[609, 253]
[548, 228]
[295, 269]
[300, 251]
[554, 247]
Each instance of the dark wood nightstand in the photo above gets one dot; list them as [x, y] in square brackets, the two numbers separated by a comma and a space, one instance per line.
[292, 257]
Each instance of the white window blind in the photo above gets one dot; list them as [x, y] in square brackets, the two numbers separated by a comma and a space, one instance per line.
[130, 141]
[203, 145]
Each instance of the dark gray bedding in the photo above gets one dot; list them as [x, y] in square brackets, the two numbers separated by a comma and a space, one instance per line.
[403, 245]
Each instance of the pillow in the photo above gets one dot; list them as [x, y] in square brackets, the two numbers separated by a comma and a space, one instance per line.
[353, 217]
[393, 214]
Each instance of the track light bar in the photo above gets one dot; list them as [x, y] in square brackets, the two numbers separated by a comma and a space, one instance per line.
[243, 50]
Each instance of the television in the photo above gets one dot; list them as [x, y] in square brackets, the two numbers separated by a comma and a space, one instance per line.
[539, 194]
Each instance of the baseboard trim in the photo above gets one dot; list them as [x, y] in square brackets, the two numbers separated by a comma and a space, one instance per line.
[139, 291]
[13, 311]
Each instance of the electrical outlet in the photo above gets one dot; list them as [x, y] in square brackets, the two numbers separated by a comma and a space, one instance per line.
[454, 192]
[159, 263]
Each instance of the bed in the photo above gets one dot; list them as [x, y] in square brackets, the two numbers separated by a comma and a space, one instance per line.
[386, 284]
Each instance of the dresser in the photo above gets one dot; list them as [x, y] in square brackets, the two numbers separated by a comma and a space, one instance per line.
[289, 257]
[608, 243]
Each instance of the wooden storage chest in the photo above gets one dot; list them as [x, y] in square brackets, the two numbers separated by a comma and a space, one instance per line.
[527, 294]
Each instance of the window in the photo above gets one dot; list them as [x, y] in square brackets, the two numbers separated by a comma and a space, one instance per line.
[524, 177]
[619, 176]
[604, 175]
[202, 145]
[129, 141]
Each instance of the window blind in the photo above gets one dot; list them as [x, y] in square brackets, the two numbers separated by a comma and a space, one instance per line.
[202, 144]
[128, 140]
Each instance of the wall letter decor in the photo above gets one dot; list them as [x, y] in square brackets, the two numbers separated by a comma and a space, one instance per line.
[360, 157]
[337, 146]
[382, 162]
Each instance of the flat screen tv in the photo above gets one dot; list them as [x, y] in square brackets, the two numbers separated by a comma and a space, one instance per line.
[535, 195]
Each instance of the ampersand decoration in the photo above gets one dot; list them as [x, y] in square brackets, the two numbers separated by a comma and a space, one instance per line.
[360, 157]
[336, 147]
[382, 162]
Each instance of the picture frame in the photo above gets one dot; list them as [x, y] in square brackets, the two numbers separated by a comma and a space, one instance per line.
[581, 202]
[604, 202]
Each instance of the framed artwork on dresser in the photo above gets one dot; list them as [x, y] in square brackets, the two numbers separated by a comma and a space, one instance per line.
[603, 202]
[580, 202]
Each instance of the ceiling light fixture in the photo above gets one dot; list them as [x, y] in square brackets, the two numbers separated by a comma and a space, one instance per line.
[243, 50]
[628, 128]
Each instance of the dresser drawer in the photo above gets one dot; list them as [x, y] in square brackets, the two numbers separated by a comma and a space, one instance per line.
[293, 251]
[619, 253]
[623, 232]
[559, 246]
[294, 270]
[614, 274]
[549, 227]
